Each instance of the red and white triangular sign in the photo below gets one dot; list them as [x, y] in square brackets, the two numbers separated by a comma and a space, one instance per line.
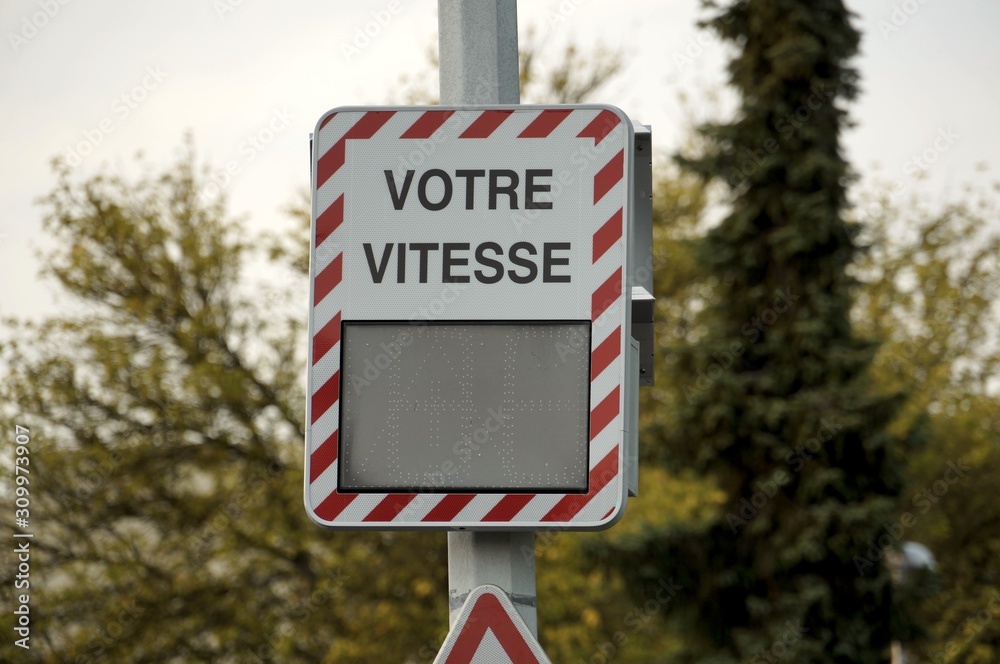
[490, 631]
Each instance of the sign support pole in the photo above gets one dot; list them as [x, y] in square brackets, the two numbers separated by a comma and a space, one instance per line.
[478, 65]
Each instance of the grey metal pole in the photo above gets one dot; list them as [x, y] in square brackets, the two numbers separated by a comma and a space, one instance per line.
[477, 45]
[504, 559]
[478, 55]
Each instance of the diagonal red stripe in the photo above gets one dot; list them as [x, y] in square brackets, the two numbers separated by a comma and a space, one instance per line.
[600, 475]
[604, 413]
[508, 507]
[366, 127]
[330, 163]
[488, 613]
[427, 124]
[328, 279]
[328, 222]
[390, 507]
[601, 126]
[449, 507]
[325, 397]
[606, 353]
[607, 234]
[323, 456]
[327, 119]
[544, 124]
[486, 124]
[326, 339]
[609, 176]
[605, 295]
[333, 505]
[369, 123]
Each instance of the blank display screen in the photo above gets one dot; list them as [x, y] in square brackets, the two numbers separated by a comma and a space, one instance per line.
[474, 407]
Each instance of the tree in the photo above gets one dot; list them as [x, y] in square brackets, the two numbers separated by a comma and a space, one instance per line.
[930, 282]
[931, 276]
[166, 417]
[778, 409]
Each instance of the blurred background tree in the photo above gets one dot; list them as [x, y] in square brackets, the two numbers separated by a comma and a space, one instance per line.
[932, 275]
[777, 411]
[167, 413]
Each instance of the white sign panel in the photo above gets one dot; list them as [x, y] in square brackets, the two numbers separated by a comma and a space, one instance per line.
[468, 318]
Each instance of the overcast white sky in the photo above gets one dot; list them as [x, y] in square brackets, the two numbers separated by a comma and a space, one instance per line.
[228, 69]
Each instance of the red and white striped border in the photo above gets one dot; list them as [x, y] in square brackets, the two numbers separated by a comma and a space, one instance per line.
[601, 505]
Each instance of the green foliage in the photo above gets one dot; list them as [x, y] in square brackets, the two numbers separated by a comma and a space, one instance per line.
[774, 405]
[931, 277]
[166, 471]
[952, 494]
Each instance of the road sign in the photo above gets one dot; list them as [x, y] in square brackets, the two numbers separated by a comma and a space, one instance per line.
[469, 324]
[489, 631]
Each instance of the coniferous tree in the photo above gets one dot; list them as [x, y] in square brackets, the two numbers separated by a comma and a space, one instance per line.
[777, 409]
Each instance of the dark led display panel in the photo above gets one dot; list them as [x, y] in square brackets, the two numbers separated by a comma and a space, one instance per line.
[465, 407]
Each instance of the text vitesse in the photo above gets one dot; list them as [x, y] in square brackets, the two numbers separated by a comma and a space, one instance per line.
[459, 262]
